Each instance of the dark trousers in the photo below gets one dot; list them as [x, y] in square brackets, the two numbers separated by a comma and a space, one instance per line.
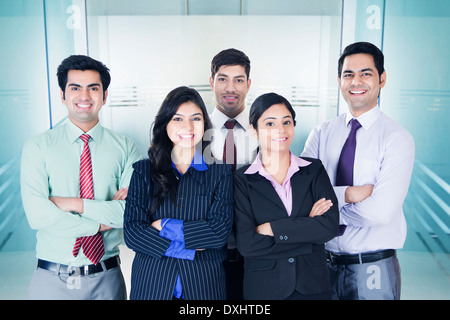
[234, 275]
[378, 280]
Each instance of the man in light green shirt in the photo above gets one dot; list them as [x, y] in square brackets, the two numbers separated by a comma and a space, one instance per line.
[50, 191]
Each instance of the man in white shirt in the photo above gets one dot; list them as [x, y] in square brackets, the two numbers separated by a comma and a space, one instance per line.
[362, 261]
[230, 82]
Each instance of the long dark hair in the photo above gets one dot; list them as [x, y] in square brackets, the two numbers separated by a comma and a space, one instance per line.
[159, 153]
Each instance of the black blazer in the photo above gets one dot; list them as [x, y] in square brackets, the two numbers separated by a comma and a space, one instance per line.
[294, 259]
[205, 204]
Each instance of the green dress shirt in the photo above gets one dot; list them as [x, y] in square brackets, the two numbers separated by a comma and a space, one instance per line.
[51, 166]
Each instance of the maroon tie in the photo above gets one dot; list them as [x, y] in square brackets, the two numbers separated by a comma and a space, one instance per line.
[229, 148]
[92, 246]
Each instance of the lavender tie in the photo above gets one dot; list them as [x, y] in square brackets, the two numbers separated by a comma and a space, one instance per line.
[344, 171]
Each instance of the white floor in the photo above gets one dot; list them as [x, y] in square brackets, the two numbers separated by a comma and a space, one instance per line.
[424, 276]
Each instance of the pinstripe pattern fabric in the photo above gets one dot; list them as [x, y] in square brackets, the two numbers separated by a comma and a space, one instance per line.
[93, 247]
[205, 203]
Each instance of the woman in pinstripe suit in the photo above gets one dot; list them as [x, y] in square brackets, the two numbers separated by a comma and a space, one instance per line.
[179, 209]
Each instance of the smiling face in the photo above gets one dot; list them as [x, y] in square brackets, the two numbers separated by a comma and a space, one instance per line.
[83, 97]
[186, 127]
[360, 83]
[275, 129]
[230, 86]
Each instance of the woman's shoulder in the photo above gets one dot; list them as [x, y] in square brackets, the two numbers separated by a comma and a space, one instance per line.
[241, 171]
[314, 165]
[142, 165]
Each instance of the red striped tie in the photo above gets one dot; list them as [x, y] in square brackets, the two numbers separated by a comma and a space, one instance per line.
[92, 246]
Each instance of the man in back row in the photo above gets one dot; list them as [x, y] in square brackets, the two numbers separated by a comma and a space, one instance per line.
[369, 159]
[232, 142]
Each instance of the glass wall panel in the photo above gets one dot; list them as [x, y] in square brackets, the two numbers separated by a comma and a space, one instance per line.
[65, 26]
[35, 37]
[24, 110]
[152, 50]
[417, 95]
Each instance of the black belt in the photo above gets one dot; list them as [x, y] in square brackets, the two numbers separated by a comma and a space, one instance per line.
[79, 271]
[359, 258]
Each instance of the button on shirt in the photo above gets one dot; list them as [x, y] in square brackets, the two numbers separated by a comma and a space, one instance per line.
[283, 190]
[50, 167]
[384, 158]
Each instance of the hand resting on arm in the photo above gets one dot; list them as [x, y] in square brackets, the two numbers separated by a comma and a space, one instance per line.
[320, 207]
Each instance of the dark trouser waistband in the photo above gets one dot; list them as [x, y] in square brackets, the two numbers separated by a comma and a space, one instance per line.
[79, 271]
[346, 259]
[233, 255]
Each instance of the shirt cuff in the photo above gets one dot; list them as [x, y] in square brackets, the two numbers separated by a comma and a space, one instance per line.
[340, 195]
[177, 250]
[172, 229]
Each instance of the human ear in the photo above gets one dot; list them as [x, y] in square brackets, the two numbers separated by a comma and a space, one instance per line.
[254, 132]
[383, 79]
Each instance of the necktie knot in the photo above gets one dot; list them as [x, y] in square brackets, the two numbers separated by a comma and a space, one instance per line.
[355, 125]
[229, 124]
[85, 137]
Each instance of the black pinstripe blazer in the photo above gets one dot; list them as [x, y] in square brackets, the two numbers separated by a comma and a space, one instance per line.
[205, 203]
[294, 258]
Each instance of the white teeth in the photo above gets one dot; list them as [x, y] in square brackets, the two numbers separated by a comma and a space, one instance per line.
[186, 136]
[357, 92]
[83, 105]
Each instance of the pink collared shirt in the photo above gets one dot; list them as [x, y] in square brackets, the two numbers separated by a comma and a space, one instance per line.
[283, 190]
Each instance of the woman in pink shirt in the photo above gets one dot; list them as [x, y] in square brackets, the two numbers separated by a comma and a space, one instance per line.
[285, 210]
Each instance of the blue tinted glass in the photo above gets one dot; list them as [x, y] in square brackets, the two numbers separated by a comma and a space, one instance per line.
[24, 110]
[417, 95]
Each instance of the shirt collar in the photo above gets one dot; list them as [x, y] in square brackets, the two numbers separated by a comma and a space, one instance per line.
[366, 119]
[219, 118]
[198, 162]
[73, 132]
[296, 162]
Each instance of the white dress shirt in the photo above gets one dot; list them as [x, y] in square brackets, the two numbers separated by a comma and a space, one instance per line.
[384, 158]
[246, 145]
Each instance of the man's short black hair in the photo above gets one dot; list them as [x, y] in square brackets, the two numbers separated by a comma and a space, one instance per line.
[230, 57]
[83, 63]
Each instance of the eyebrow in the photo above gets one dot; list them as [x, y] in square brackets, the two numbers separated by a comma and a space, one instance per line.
[79, 86]
[270, 118]
[194, 114]
[226, 75]
[362, 70]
